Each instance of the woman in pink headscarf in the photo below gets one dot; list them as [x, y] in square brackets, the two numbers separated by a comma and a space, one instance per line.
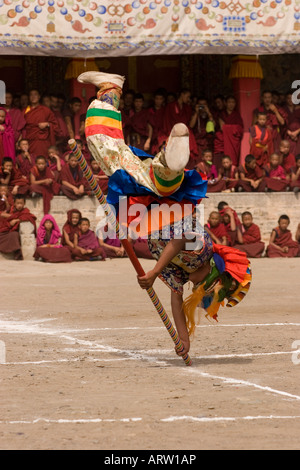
[7, 139]
[48, 242]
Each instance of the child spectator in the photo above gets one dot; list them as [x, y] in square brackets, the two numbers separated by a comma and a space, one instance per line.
[6, 201]
[206, 166]
[261, 140]
[42, 182]
[281, 244]
[249, 237]
[141, 131]
[10, 175]
[86, 244]
[229, 173]
[156, 119]
[297, 236]
[24, 161]
[275, 178]
[287, 159]
[112, 246]
[48, 243]
[73, 183]
[231, 221]
[9, 227]
[216, 229]
[81, 146]
[251, 176]
[70, 228]
[295, 176]
[7, 136]
[99, 175]
[55, 162]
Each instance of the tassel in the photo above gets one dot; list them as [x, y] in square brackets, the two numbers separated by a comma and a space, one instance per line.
[189, 308]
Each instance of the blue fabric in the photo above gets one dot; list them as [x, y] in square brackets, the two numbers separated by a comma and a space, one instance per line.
[140, 153]
[121, 184]
[220, 263]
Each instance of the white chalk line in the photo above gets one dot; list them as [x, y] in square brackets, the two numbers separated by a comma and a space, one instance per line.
[142, 357]
[73, 421]
[232, 381]
[204, 419]
[163, 351]
[170, 419]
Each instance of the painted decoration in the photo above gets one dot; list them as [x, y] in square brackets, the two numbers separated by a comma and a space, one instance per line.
[123, 27]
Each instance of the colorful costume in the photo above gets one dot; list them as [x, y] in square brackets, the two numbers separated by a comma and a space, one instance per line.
[163, 179]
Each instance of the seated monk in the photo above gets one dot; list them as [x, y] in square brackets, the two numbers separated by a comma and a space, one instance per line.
[70, 228]
[281, 244]
[10, 175]
[9, 227]
[86, 244]
[249, 238]
[229, 174]
[48, 242]
[73, 183]
[43, 182]
[251, 176]
[215, 184]
[216, 229]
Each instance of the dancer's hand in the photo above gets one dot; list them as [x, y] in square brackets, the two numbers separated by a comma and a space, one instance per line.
[186, 348]
[147, 281]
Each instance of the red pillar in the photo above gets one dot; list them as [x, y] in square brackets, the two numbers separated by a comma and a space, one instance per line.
[246, 74]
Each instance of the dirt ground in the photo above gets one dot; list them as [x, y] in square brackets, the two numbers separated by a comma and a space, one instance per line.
[88, 364]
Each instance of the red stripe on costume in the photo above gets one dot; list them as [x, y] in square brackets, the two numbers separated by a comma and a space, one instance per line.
[104, 130]
[236, 262]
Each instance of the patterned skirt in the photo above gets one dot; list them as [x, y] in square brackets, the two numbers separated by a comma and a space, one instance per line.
[176, 274]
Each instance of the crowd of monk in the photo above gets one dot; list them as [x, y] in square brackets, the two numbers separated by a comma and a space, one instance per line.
[36, 162]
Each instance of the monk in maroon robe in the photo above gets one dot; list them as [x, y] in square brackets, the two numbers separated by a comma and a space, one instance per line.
[17, 117]
[86, 244]
[207, 169]
[228, 138]
[251, 176]
[292, 132]
[41, 126]
[73, 183]
[10, 175]
[276, 178]
[216, 229]
[9, 227]
[141, 131]
[281, 243]
[261, 140]
[276, 118]
[295, 176]
[199, 123]
[231, 221]
[181, 111]
[42, 181]
[7, 141]
[24, 160]
[6, 201]
[229, 173]
[249, 237]
[70, 228]
[101, 178]
[287, 159]
[156, 119]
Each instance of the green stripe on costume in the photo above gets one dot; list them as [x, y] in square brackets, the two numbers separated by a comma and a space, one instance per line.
[168, 183]
[92, 112]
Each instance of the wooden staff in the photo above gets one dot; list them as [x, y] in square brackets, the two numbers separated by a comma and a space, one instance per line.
[127, 246]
